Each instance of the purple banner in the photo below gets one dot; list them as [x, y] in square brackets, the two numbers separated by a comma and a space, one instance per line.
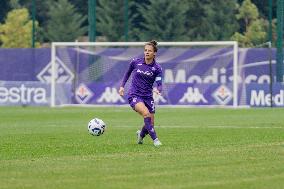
[192, 76]
[24, 93]
[263, 95]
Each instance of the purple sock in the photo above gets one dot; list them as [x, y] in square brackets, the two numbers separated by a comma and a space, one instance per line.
[143, 132]
[150, 128]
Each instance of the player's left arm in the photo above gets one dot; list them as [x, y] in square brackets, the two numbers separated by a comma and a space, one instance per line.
[158, 80]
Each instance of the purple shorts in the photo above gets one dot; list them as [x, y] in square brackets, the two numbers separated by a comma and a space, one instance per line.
[149, 102]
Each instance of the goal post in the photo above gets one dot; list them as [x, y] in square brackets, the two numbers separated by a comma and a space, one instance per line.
[88, 73]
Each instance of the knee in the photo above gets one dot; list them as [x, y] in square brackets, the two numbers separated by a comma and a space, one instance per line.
[146, 114]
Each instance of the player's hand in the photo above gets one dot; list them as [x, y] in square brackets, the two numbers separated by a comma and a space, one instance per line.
[155, 90]
[121, 91]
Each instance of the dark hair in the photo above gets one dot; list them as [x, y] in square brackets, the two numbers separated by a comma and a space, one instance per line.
[154, 44]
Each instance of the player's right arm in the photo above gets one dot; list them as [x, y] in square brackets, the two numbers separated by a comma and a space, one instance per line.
[126, 77]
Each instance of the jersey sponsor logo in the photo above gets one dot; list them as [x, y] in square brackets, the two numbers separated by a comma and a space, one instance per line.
[193, 95]
[223, 95]
[145, 72]
[62, 73]
[23, 95]
[83, 94]
[110, 95]
[260, 98]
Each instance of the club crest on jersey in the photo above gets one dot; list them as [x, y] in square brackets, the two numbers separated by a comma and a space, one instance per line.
[145, 72]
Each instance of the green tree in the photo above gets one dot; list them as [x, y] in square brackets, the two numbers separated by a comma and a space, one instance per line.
[41, 9]
[248, 12]
[110, 19]
[4, 9]
[163, 20]
[211, 20]
[81, 6]
[16, 32]
[255, 27]
[15, 4]
[263, 7]
[64, 23]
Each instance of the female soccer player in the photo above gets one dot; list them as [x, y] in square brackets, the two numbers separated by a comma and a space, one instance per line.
[145, 71]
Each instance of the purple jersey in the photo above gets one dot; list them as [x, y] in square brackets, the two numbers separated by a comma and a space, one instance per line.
[143, 77]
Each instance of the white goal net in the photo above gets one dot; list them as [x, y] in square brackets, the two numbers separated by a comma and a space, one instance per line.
[195, 73]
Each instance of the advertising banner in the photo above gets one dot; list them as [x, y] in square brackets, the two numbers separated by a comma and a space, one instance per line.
[191, 76]
[24, 93]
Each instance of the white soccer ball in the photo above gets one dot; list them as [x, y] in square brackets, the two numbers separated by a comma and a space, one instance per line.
[96, 127]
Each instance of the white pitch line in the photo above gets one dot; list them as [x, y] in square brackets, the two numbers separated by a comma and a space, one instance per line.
[215, 127]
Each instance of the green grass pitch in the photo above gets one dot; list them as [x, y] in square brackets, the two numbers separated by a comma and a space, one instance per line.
[202, 148]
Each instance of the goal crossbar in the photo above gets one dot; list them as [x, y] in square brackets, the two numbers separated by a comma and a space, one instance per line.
[200, 43]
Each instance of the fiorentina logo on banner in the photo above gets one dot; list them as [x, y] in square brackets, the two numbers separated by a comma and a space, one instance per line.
[83, 94]
[222, 95]
[63, 73]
